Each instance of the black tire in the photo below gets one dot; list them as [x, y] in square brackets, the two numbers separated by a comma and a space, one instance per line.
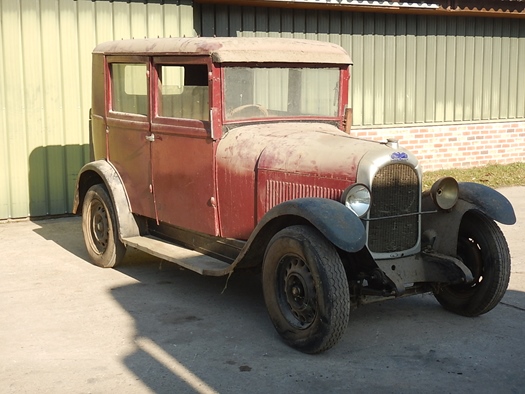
[483, 249]
[103, 244]
[305, 289]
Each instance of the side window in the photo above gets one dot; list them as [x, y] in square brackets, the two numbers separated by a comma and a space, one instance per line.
[129, 88]
[183, 92]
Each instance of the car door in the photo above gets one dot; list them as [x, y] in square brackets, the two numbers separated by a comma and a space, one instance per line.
[182, 148]
[128, 129]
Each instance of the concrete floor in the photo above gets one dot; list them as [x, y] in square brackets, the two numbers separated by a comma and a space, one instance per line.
[67, 326]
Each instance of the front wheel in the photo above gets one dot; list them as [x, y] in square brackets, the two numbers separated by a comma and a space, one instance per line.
[483, 249]
[305, 289]
[103, 244]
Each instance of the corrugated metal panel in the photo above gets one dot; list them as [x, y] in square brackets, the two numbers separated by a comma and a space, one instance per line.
[408, 69]
[369, 3]
[45, 89]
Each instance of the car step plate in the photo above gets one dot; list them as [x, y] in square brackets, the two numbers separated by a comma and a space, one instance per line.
[186, 258]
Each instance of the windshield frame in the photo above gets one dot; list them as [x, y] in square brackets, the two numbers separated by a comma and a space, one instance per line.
[344, 77]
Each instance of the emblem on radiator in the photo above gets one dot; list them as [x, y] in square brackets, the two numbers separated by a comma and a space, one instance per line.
[399, 156]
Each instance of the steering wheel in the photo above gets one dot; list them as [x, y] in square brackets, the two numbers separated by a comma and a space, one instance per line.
[249, 110]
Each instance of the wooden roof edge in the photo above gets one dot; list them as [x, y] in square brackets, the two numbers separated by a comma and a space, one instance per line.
[447, 11]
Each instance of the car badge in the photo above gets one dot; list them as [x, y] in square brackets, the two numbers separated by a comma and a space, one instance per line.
[399, 156]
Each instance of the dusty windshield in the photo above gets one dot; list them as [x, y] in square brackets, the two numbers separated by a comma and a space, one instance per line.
[254, 93]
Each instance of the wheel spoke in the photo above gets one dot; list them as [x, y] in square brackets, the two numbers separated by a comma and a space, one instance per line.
[470, 252]
[101, 236]
[298, 291]
[99, 226]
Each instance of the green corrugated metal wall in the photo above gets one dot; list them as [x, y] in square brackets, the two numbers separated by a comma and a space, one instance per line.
[45, 89]
[408, 69]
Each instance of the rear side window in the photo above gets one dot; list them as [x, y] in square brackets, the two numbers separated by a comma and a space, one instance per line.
[129, 88]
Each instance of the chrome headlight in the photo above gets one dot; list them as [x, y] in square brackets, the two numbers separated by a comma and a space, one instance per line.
[445, 192]
[357, 198]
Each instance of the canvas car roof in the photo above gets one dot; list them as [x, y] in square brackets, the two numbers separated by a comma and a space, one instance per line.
[232, 49]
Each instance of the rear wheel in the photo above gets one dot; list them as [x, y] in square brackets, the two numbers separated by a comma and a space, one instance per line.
[103, 244]
[483, 249]
[305, 289]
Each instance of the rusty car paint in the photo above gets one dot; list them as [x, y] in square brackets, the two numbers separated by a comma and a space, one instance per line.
[184, 184]
[130, 154]
[127, 138]
[289, 154]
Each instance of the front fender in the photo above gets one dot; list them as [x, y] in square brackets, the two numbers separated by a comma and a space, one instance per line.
[440, 230]
[102, 172]
[489, 201]
[336, 222]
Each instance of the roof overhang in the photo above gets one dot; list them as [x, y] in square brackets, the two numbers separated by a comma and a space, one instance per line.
[233, 49]
[483, 8]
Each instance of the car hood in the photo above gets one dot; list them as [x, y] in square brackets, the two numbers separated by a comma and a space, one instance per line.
[315, 149]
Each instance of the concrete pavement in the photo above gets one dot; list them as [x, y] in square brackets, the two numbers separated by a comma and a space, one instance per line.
[67, 326]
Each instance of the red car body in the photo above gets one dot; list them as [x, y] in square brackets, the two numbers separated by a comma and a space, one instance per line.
[223, 153]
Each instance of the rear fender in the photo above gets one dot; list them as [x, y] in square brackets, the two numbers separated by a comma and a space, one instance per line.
[440, 230]
[102, 172]
[336, 222]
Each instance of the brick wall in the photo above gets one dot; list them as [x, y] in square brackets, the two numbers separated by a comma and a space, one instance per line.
[448, 146]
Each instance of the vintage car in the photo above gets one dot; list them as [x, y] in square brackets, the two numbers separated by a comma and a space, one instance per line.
[219, 154]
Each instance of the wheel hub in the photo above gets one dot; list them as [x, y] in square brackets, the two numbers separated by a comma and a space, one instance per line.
[470, 254]
[299, 291]
[99, 226]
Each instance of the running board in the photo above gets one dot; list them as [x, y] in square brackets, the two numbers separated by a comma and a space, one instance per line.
[186, 258]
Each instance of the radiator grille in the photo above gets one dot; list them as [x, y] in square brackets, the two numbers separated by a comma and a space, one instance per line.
[395, 191]
[278, 192]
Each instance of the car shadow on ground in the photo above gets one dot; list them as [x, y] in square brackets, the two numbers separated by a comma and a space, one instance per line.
[205, 334]
[221, 336]
[65, 232]
[189, 324]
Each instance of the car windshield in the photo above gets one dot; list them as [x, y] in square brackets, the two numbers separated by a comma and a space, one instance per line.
[252, 92]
